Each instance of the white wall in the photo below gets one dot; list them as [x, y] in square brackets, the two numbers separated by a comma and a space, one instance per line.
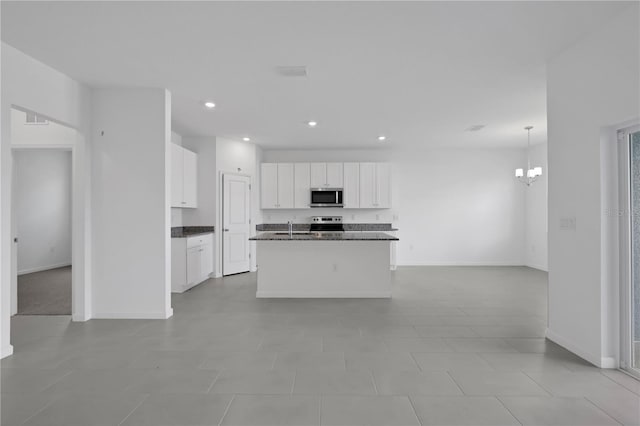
[43, 209]
[131, 213]
[536, 248]
[452, 206]
[590, 87]
[31, 85]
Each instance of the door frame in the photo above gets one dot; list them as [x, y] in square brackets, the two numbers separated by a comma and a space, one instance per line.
[80, 232]
[224, 174]
[625, 214]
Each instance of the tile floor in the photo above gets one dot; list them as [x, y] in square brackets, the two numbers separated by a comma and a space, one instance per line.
[455, 346]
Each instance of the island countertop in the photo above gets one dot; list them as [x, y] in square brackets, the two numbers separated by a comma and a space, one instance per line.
[324, 236]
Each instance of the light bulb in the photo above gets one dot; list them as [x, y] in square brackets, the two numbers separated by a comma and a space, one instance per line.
[530, 173]
[537, 171]
[519, 172]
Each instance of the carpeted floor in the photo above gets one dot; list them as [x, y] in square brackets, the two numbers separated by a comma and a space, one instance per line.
[45, 293]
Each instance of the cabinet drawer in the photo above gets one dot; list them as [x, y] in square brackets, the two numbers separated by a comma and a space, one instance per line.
[200, 240]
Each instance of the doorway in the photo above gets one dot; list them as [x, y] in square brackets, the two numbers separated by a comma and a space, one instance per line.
[629, 140]
[236, 223]
[42, 196]
[41, 215]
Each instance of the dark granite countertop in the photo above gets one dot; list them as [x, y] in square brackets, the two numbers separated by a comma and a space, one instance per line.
[304, 227]
[324, 236]
[190, 231]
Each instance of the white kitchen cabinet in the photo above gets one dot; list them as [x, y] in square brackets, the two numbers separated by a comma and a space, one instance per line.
[285, 185]
[190, 182]
[277, 186]
[191, 261]
[269, 186]
[335, 175]
[375, 185]
[302, 185]
[184, 177]
[326, 175]
[351, 188]
[318, 175]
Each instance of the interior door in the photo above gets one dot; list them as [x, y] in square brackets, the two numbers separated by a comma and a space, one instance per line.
[236, 223]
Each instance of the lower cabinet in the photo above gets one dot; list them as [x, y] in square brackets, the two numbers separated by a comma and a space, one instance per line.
[191, 261]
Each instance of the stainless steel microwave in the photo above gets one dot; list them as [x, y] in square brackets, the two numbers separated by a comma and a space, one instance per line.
[326, 197]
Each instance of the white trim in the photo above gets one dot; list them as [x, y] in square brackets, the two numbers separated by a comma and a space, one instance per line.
[608, 362]
[333, 295]
[536, 266]
[6, 351]
[43, 268]
[594, 359]
[80, 318]
[134, 315]
[460, 263]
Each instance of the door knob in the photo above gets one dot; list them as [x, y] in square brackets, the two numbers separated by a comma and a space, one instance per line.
[226, 229]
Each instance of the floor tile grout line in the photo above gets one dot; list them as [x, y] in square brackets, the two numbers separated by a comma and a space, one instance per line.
[320, 397]
[618, 383]
[601, 409]
[507, 408]
[214, 381]
[539, 384]
[226, 410]
[295, 376]
[373, 380]
[415, 412]
[134, 409]
[456, 383]
[48, 404]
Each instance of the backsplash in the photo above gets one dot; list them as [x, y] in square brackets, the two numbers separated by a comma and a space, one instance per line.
[348, 215]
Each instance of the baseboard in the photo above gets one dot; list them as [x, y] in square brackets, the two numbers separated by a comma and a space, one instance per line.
[43, 268]
[134, 315]
[538, 267]
[80, 317]
[321, 295]
[597, 360]
[460, 263]
[6, 351]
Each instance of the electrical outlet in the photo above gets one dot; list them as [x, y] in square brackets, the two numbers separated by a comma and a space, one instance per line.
[353, 217]
[377, 217]
[568, 223]
[395, 217]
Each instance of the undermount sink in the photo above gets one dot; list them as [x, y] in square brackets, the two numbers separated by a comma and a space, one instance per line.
[294, 233]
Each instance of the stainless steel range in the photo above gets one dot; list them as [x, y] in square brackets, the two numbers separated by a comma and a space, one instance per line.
[326, 224]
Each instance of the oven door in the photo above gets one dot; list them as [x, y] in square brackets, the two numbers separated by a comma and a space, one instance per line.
[326, 197]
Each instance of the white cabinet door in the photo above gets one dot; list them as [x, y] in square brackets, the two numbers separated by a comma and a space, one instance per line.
[318, 175]
[269, 186]
[190, 185]
[285, 185]
[368, 188]
[194, 270]
[302, 185]
[206, 260]
[351, 194]
[383, 184]
[334, 175]
[177, 175]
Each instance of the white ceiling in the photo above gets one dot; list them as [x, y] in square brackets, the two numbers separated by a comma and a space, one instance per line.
[418, 72]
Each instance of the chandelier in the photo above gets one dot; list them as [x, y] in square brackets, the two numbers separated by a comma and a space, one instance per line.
[532, 173]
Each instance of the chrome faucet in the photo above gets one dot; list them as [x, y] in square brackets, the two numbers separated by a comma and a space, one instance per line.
[290, 225]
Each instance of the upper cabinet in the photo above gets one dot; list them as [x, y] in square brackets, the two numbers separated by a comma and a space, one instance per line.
[375, 186]
[288, 185]
[277, 186]
[184, 177]
[326, 175]
[302, 185]
[351, 194]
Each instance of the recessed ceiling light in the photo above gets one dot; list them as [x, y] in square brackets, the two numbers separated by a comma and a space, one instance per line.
[475, 128]
[382, 138]
[246, 139]
[312, 123]
[210, 104]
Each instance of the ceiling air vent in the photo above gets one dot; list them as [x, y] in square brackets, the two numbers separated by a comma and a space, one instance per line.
[33, 118]
[292, 70]
[475, 128]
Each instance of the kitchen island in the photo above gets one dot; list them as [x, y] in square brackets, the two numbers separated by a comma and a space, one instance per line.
[324, 264]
